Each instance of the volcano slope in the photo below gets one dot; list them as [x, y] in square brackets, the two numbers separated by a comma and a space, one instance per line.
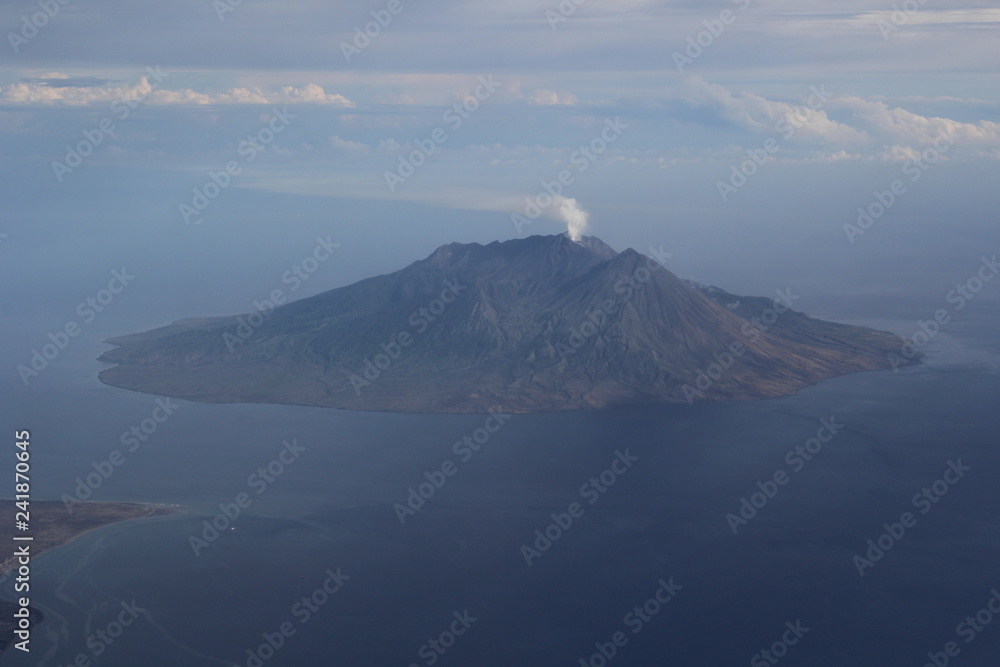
[536, 324]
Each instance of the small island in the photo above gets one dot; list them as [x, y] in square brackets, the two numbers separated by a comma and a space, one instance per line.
[541, 324]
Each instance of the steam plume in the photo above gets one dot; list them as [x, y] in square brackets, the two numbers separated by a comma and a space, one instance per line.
[573, 215]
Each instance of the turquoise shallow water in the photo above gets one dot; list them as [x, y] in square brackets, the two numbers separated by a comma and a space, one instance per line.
[331, 511]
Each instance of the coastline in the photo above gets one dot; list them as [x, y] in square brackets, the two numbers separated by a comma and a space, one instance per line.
[53, 526]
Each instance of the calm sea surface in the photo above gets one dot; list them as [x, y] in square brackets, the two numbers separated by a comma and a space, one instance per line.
[330, 511]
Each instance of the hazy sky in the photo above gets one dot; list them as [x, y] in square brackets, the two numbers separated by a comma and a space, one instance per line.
[648, 110]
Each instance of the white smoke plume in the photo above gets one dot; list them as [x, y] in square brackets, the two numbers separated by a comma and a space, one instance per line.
[573, 215]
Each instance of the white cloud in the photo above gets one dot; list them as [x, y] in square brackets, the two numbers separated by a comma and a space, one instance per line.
[544, 97]
[889, 132]
[346, 146]
[757, 113]
[33, 94]
[932, 16]
[906, 128]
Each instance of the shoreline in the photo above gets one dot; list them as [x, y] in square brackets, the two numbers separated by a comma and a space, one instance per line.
[98, 514]
[53, 526]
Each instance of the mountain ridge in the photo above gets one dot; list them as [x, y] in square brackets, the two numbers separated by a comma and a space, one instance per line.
[542, 323]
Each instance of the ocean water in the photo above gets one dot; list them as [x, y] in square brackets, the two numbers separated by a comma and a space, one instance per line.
[662, 521]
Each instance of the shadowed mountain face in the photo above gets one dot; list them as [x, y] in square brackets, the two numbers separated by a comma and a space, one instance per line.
[536, 324]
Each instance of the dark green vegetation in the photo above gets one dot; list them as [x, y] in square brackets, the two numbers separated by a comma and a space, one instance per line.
[536, 324]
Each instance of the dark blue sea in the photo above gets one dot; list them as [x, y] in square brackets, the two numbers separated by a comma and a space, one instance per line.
[644, 569]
